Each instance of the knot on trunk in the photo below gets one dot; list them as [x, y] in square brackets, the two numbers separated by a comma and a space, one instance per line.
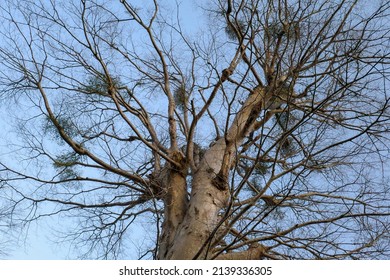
[220, 181]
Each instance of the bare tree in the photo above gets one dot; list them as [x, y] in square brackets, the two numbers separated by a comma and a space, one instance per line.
[262, 136]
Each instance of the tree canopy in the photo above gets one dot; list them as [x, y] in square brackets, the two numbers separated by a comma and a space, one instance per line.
[259, 132]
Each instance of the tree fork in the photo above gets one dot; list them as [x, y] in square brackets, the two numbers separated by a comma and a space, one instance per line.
[209, 192]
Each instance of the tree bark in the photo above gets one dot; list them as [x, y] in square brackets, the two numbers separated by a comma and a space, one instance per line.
[174, 186]
[209, 192]
[253, 253]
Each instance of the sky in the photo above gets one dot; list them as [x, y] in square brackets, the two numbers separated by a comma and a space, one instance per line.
[37, 246]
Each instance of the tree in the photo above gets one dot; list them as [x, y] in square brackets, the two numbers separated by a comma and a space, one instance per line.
[261, 136]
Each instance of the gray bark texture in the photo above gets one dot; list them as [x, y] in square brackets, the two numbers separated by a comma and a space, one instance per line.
[190, 226]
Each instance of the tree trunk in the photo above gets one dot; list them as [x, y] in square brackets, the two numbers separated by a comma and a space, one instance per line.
[209, 194]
